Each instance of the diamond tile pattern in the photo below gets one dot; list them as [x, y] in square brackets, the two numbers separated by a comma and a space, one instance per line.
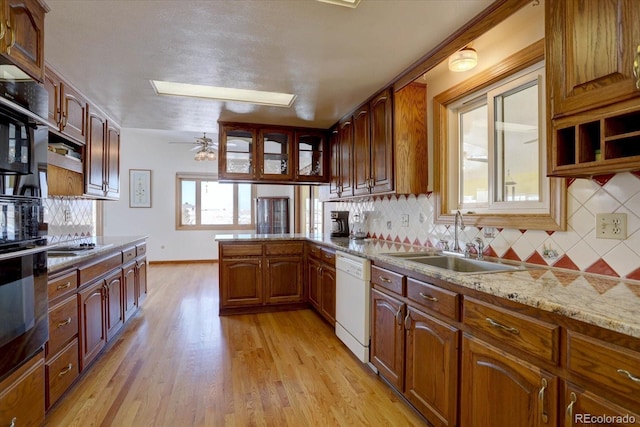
[577, 248]
[69, 217]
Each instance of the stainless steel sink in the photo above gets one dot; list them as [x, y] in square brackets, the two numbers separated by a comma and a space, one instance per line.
[456, 263]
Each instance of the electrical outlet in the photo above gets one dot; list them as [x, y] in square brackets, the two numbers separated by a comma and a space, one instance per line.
[67, 215]
[388, 225]
[422, 218]
[405, 220]
[611, 226]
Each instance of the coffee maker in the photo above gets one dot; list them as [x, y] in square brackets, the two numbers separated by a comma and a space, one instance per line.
[339, 223]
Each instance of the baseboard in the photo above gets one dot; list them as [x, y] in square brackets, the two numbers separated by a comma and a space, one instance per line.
[194, 261]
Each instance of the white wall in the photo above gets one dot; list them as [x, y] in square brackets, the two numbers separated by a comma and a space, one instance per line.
[150, 149]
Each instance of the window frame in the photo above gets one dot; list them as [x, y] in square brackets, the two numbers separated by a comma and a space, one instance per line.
[199, 178]
[553, 219]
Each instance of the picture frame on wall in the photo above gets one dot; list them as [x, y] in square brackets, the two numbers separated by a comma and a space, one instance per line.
[139, 188]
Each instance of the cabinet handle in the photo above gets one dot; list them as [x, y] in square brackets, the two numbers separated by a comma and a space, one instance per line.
[64, 323]
[501, 326]
[13, 422]
[65, 286]
[428, 297]
[13, 37]
[407, 321]
[384, 279]
[3, 29]
[543, 412]
[66, 370]
[568, 419]
[328, 256]
[629, 375]
[399, 316]
[636, 67]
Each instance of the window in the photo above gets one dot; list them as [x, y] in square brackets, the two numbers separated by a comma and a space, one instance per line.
[499, 144]
[203, 203]
[489, 146]
[310, 214]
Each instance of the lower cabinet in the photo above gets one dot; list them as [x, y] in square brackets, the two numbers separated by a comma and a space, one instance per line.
[22, 395]
[93, 336]
[501, 390]
[583, 408]
[415, 352]
[256, 276]
[321, 281]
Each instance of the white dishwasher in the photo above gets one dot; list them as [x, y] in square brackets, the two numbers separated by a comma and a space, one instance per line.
[353, 303]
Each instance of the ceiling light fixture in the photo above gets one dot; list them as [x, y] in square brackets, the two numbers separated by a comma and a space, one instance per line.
[346, 3]
[274, 99]
[463, 60]
[205, 153]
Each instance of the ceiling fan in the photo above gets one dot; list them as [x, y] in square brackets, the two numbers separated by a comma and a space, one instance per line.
[205, 147]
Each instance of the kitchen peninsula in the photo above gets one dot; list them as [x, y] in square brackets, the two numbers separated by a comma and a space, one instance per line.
[550, 327]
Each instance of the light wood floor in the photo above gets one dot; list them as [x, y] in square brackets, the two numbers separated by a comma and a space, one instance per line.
[178, 364]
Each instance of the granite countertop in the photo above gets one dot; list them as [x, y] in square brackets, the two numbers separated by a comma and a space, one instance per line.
[603, 301]
[103, 244]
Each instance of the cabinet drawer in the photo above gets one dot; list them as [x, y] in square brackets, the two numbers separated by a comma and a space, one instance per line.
[141, 249]
[61, 371]
[615, 368]
[284, 248]
[328, 257]
[62, 285]
[128, 254]
[314, 251]
[388, 279]
[100, 267]
[249, 249]
[538, 338]
[433, 297]
[63, 324]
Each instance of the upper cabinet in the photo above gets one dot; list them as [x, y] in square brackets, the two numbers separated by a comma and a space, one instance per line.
[593, 74]
[276, 154]
[67, 107]
[102, 160]
[365, 145]
[22, 35]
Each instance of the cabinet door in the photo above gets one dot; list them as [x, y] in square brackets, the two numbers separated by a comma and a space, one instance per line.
[582, 407]
[237, 152]
[335, 162]
[328, 293]
[112, 156]
[431, 371]
[52, 84]
[387, 337]
[283, 280]
[73, 113]
[141, 280]
[22, 395]
[361, 152]
[275, 155]
[114, 315]
[94, 159]
[346, 160]
[310, 148]
[24, 39]
[591, 52]
[241, 282]
[93, 336]
[382, 143]
[314, 283]
[129, 299]
[500, 390]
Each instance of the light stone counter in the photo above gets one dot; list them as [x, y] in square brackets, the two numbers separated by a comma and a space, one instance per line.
[603, 301]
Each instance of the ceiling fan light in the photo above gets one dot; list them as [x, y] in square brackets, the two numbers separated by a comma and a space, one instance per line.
[463, 60]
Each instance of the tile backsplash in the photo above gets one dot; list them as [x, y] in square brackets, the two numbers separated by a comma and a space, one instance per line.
[409, 219]
[69, 217]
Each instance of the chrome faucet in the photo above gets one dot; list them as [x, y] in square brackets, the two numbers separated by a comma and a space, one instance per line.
[456, 243]
[480, 243]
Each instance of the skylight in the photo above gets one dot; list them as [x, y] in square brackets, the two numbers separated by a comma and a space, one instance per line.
[275, 99]
[346, 3]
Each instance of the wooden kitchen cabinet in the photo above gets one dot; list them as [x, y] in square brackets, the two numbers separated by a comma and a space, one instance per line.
[68, 108]
[22, 395]
[284, 279]
[501, 390]
[361, 151]
[114, 309]
[237, 152]
[241, 282]
[142, 290]
[321, 281]
[275, 158]
[93, 336]
[341, 180]
[311, 156]
[581, 406]
[22, 40]
[414, 351]
[102, 159]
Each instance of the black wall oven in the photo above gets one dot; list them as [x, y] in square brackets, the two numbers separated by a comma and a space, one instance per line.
[24, 326]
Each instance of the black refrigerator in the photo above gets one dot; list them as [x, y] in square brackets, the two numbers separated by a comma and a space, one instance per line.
[272, 215]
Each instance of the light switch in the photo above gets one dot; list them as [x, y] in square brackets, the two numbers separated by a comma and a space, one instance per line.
[611, 226]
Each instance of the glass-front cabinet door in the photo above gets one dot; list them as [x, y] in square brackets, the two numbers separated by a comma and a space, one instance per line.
[275, 154]
[237, 153]
[310, 147]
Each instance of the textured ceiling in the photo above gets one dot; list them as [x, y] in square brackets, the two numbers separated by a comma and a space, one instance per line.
[333, 58]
